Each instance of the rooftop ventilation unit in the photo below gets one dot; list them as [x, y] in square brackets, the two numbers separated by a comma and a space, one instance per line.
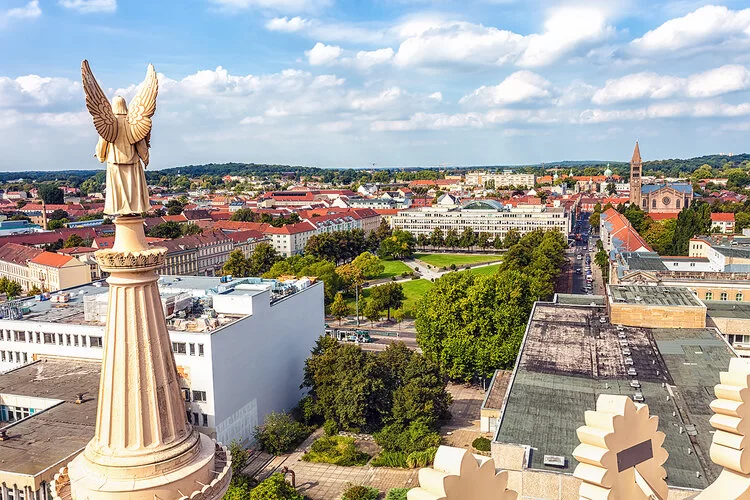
[554, 460]
[628, 361]
[638, 298]
[626, 351]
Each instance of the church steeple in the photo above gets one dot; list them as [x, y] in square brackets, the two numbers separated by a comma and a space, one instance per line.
[635, 176]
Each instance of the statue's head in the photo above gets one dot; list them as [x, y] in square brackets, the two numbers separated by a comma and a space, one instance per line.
[119, 106]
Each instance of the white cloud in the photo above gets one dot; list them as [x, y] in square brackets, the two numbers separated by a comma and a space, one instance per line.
[429, 121]
[436, 96]
[701, 109]
[322, 54]
[378, 101]
[647, 85]
[287, 25]
[729, 78]
[368, 58]
[564, 30]
[90, 6]
[37, 91]
[518, 87]
[252, 120]
[276, 5]
[29, 11]
[638, 86]
[708, 26]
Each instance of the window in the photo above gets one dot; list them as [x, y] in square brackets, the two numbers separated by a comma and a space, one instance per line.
[205, 420]
[189, 415]
[200, 349]
[192, 349]
[645, 204]
[709, 296]
[195, 418]
[49, 338]
[677, 203]
[653, 203]
[95, 341]
[67, 339]
[723, 296]
[186, 394]
[179, 347]
[75, 340]
[199, 396]
[20, 337]
[738, 297]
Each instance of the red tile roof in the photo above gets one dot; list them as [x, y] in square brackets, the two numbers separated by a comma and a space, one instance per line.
[300, 227]
[52, 259]
[722, 217]
[233, 225]
[18, 254]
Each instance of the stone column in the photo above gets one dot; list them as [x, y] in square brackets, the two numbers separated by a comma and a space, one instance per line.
[3, 492]
[143, 447]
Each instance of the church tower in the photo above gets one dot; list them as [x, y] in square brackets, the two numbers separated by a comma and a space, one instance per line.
[635, 177]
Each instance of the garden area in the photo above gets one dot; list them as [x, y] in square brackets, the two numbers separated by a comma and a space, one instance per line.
[393, 268]
[447, 259]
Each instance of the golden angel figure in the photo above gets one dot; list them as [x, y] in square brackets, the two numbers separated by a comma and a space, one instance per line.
[124, 139]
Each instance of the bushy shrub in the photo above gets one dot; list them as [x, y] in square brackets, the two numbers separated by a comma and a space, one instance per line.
[306, 412]
[397, 494]
[416, 437]
[280, 433]
[481, 444]
[453, 267]
[336, 450]
[418, 459]
[275, 488]
[331, 428]
[404, 274]
[356, 492]
[396, 459]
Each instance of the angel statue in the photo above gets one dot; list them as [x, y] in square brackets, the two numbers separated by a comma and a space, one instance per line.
[124, 139]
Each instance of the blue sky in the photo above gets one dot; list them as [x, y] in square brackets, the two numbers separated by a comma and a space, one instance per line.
[396, 82]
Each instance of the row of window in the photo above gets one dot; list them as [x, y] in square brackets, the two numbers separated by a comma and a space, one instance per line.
[197, 396]
[8, 356]
[183, 347]
[63, 339]
[14, 413]
[195, 418]
[723, 296]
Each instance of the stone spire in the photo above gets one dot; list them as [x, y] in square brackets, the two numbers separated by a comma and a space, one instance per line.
[635, 177]
[144, 448]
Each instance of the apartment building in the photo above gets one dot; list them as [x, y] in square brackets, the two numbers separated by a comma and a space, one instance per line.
[290, 239]
[487, 216]
[500, 179]
[722, 222]
[31, 267]
[249, 329]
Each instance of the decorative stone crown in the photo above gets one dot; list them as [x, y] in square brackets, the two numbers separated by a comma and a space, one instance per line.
[112, 260]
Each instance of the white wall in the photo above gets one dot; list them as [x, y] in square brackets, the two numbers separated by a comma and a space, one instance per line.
[258, 362]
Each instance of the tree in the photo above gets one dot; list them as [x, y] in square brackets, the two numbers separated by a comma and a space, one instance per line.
[339, 309]
[169, 230]
[397, 246]
[511, 238]
[659, 235]
[371, 311]
[280, 433]
[369, 264]
[611, 190]
[388, 296]
[263, 257]
[13, 289]
[468, 238]
[436, 237]
[190, 228]
[483, 240]
[602, 260]
[399, 315]
[51, 194]
[56, 224]
[636, 217]
[244, 215]
[692, 221]
[275, 488]
[451, 238]
[175, 206]
[236, 265]
[59, 214]
[73, 241]
[34, 290]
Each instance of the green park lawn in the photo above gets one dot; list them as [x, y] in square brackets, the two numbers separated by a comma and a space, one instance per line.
[446, 259]
[393, 268]
[413, 290]
[484, 270]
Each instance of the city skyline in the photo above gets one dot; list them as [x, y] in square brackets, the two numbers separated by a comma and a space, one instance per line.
[398, 83]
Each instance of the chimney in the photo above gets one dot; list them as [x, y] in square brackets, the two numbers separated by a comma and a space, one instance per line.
[44, 215]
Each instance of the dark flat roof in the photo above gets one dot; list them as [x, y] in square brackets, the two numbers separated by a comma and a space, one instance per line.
[653, 295]
[728, 309]
[51, 436]
[569, 358]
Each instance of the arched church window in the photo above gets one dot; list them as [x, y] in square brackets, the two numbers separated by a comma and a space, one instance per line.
[653, 203]
[677, 203]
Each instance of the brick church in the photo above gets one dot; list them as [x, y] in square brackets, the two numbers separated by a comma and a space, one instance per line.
[664, 198]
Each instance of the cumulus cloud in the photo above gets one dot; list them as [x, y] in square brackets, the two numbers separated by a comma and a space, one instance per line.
[90, 6]
[708, 26]
[36, 91]
[368, 58]
[326, 32]
[647, 85]
[322, 54]
[436, 96]
[29, 11]
[520, 86]
[288, 25]
[276, 5]
[702, 109]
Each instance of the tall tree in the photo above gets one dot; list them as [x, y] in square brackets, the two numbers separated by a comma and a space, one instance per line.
[51, 194]
[451, 238]
[236, 265]
[388, 296]
[263, 257]
[339, 309]
[398, 246]
[436, 237]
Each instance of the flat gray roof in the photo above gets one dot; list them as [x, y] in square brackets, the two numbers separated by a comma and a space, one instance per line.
[574, 299]
[569, 358]
[51, 436]
[669, 296]
[727, 309]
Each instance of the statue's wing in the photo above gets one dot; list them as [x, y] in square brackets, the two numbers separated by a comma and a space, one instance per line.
[98, 105]
[143, 107]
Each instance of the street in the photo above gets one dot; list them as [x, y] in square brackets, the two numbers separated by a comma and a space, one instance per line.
[584, 246]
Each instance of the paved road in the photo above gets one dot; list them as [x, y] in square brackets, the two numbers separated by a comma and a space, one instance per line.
[582, 248]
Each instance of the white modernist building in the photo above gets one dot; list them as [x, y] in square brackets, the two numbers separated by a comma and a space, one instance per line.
[240, 346]
[484, 216]
[505, 178]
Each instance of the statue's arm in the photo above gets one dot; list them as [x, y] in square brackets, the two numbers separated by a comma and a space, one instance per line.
[142, 149]
[102, 147]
